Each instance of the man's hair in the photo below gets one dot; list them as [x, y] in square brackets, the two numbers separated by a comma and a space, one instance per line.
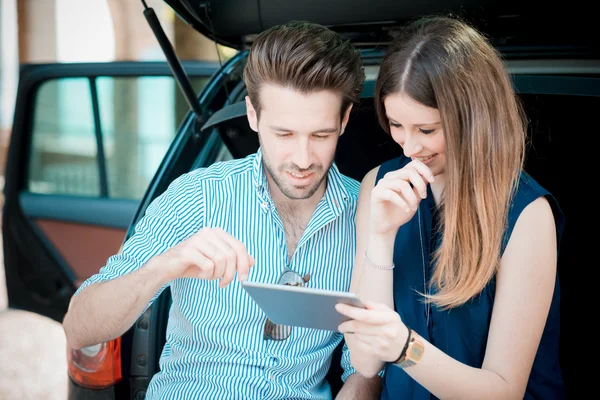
[306, 57]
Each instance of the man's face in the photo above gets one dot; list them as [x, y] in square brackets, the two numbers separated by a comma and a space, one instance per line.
[298, 135]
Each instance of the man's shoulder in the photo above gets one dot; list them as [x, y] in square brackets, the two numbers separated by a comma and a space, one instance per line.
[190, 187]
[351, 185]
[223, 170]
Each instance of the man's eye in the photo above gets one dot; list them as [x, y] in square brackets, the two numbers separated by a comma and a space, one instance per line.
[321, 136]
[427, 131]
[282, 135]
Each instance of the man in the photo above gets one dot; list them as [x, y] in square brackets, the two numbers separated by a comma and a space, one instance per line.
[285, 208]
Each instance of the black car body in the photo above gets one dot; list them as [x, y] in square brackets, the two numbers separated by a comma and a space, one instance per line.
[551, 53]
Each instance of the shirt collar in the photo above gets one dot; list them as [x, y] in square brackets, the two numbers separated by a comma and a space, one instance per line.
[336, 194]
[258, 173]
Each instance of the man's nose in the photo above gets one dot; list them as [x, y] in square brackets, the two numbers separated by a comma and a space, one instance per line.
[302, 155]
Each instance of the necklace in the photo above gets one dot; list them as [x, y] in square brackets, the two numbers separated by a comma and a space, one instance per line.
[425, 289]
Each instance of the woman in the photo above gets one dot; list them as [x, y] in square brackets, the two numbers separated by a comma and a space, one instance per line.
[457, 245]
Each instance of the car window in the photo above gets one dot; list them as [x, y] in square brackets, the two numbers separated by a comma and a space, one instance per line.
[63, 150]
[113, 152]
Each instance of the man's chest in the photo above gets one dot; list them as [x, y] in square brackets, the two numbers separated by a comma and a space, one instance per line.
[321, 245]
[327, 257]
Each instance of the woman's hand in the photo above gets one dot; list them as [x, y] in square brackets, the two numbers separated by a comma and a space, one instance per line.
[376, 330]
[396, 197]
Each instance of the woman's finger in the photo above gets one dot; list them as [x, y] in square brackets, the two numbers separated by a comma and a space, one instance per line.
[403, 188]
[373, 317]
[383, 194]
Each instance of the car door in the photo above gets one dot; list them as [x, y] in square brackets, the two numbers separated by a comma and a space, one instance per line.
[85, 143]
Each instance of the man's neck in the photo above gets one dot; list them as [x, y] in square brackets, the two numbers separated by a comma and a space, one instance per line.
[295, 214]
[297, 206]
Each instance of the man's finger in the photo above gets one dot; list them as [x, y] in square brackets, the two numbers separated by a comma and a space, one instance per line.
[211, 251]
[244, 260]
[203, 265]
[229, 259]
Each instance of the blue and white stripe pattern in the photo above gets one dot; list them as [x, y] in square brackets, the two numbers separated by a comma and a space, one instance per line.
[215, 347]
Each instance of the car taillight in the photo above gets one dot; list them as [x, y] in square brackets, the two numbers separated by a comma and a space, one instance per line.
[96, 367]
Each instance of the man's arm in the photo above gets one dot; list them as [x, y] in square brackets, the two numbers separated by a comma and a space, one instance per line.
[357, 387]
[105, 310]
[109, 303]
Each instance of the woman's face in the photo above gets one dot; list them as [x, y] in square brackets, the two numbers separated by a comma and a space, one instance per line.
[418, 130]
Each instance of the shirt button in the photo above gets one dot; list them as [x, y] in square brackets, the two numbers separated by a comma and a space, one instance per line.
[272, 377]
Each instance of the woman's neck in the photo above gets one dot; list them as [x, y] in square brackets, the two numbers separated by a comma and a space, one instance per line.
[437, 188]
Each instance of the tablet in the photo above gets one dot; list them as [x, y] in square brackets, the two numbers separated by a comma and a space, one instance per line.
[301, 306]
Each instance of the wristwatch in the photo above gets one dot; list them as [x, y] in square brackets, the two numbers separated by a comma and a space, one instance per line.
[414, 351]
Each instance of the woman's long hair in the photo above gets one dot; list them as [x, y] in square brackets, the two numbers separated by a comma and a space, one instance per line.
[446, 64]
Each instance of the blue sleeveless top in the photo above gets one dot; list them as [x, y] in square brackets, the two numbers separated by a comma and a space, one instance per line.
[462, 332]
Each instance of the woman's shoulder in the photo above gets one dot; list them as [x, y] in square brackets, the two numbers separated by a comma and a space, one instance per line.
[529, 187]
[529, 190]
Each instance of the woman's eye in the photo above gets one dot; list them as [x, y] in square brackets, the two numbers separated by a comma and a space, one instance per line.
[427, 131]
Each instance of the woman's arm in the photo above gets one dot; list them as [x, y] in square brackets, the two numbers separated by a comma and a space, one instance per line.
[524, 288]
[375, 285]
[382, 209]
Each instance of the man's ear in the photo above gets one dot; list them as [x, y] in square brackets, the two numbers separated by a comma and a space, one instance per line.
[251, 114]
[345, 119]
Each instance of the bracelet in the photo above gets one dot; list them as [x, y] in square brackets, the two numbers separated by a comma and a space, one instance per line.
[403, 353]
[368, 260]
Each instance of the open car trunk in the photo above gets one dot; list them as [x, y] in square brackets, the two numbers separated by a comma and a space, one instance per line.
[235, 23]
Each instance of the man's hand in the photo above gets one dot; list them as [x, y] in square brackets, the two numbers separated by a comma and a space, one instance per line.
[357, 387]
[210, 254]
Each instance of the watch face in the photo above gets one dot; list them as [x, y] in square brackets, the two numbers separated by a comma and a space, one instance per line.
[416, 352]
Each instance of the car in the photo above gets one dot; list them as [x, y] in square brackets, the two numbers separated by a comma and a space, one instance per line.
[59, 228]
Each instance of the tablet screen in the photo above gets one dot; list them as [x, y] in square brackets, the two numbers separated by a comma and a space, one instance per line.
[301, 306]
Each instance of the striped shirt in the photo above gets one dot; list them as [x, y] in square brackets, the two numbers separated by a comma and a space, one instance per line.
[214, 345]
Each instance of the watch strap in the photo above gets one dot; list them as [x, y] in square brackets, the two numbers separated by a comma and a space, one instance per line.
[403, 353]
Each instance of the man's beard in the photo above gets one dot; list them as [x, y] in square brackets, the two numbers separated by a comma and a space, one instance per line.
[296, 192]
